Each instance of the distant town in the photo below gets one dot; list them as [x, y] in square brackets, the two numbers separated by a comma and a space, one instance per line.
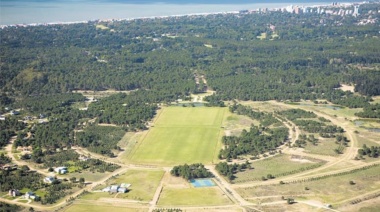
[335, 8]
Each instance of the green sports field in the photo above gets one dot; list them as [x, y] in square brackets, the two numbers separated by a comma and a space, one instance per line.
[182, 135]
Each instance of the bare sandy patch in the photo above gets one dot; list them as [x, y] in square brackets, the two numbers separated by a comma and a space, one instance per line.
[345, 87]
[175, 182]
[300, 159]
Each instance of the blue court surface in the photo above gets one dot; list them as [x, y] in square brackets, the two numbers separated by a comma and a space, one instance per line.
[197, 183]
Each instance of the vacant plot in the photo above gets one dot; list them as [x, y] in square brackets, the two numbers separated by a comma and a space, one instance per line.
[128, 143]
[193, 196]
[324, 146]
[338, 190]
[87, 175]
[235, 124]
[182, 135]
[279, 165]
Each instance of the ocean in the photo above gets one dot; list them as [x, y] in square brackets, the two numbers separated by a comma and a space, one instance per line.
[57, 11]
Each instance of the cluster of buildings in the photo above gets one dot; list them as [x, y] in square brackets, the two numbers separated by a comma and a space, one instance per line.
[27, 195]
[122, 188]
[341, 10]
[333, 9]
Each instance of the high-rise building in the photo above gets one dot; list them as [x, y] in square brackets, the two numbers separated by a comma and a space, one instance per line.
[356, 11]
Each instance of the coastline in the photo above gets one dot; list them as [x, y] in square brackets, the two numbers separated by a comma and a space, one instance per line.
[256, 7]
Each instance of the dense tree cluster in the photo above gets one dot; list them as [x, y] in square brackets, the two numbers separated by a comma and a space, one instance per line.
[191, 171]
[4, 159]
[57, 133]
[368, 83]
[56, 191]
[256, 141]
[370, 111]
[5, 207]
[266, 119]
[8, 128]
[100, 139]
[373, 151]
[229, 170]
[48, 104]
[293, 114]
[161, 56]
[312, 126]
[19, 179]
[131, 111]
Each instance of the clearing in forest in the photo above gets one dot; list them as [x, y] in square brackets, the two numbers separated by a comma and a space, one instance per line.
[182, 135]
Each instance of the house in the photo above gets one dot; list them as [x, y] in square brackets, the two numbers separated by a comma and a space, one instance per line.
[30, 195]
[107, 189]
[8, 167]
[42, 121]
[122, 190]
[83, 158]
[2, 118]
[49, 179]
[15, 112]
[114, 188]
[14, 192]
[125, 185]
[25, 148]
[28, 118]
[61, 170]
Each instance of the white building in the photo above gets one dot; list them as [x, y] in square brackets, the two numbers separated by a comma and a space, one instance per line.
[61, 170]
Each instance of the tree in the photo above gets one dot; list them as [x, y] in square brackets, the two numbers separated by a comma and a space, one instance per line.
[290, 201]
[81, 180]
[73, 179]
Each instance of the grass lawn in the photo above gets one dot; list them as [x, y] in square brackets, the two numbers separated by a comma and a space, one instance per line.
[88, 176]
[182, 135]
[96, 195]
[144, 184]
[193, 196]
[330, 190]
[323, 147]
[278, 165]
[128, 143]
[235, 124]
[100, 208]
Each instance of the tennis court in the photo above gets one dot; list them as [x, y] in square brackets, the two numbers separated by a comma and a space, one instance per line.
[198, 183]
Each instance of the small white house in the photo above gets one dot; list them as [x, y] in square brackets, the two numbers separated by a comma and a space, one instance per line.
[14, 192]
[122, 190]
[61, 170]
[83, 158]
[106, 189]
[49, 179]
[125, 185]
[114, 188]
[30, 195]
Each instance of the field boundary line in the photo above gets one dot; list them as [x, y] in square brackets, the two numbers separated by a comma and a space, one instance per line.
[218, 143]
